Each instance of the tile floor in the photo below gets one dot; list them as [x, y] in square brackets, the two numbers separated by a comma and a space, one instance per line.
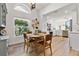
[60, 47]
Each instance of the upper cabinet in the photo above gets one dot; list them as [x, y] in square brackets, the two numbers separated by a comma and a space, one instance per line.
[3, 12]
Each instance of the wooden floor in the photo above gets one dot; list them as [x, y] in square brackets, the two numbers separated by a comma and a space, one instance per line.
[60, 47]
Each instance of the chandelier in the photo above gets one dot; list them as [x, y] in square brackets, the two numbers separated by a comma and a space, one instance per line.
[33, 6]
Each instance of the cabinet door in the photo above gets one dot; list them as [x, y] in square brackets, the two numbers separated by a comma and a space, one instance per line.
[3, 47]
[0, 14]
[3, 12]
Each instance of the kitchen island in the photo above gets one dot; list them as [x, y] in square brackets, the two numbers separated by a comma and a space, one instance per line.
[74, 40]
[3, 46]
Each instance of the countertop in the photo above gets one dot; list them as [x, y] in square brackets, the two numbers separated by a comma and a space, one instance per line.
[4, 37]
[74, 32]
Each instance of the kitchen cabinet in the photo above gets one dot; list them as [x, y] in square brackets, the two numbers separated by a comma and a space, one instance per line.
[3, 12]
[74, 40]
[65, 33]
[3, 45]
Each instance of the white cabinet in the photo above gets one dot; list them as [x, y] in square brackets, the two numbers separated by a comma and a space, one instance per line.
[74, 40]
[4, 45]
[57, 32]
[3, 48]
[3, 12]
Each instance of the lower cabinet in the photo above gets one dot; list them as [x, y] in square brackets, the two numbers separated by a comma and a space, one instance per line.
[65, 33]
[3, 48]
[74, 41]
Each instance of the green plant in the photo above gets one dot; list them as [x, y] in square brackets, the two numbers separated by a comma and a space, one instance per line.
[21, 26]
[21, 22]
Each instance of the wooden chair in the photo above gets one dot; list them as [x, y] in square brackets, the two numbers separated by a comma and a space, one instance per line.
[27, 41]
[29, 32]
[46, 43]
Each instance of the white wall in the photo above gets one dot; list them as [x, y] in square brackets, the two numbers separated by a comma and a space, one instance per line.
[10, 25]
[72, 15]
[50, 8]
[56, 22]
[75, 26]
[43, 18]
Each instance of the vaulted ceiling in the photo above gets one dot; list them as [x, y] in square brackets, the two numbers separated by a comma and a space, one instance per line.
[62, 12]
[26, 7]
[39, 6]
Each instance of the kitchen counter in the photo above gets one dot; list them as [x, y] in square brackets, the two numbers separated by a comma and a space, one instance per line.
[4, 45]
[74, 40]
[4, 37]
[74, 32]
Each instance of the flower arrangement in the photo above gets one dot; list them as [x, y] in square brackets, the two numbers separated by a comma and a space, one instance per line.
[35, 25]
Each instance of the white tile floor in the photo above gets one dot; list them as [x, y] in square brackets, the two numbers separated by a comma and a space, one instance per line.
[61, 48]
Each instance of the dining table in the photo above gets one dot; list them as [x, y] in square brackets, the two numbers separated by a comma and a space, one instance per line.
[36, 35]
[35, 39]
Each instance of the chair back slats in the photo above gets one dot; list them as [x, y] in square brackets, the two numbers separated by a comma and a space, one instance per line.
[48, 37]
[29, 32]
[25, 37]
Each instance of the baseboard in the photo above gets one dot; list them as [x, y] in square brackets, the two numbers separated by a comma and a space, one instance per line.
[15, 44]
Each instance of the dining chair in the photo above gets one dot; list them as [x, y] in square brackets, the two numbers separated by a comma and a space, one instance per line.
[29, 32]
[47, 43]
[27, 41]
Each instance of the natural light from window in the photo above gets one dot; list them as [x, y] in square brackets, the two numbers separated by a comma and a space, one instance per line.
[21, 26]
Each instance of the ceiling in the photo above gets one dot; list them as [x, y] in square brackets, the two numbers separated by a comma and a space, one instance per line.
[62, 12]
[42, 5]
[39, 6]
[26, 7]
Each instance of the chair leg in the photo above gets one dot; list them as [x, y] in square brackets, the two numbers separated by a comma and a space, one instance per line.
[27, 48]
[44, 51]
[51, 50]
[24, 47]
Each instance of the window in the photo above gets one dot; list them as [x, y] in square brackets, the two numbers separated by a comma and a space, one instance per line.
[21, 26]
[68, 24]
